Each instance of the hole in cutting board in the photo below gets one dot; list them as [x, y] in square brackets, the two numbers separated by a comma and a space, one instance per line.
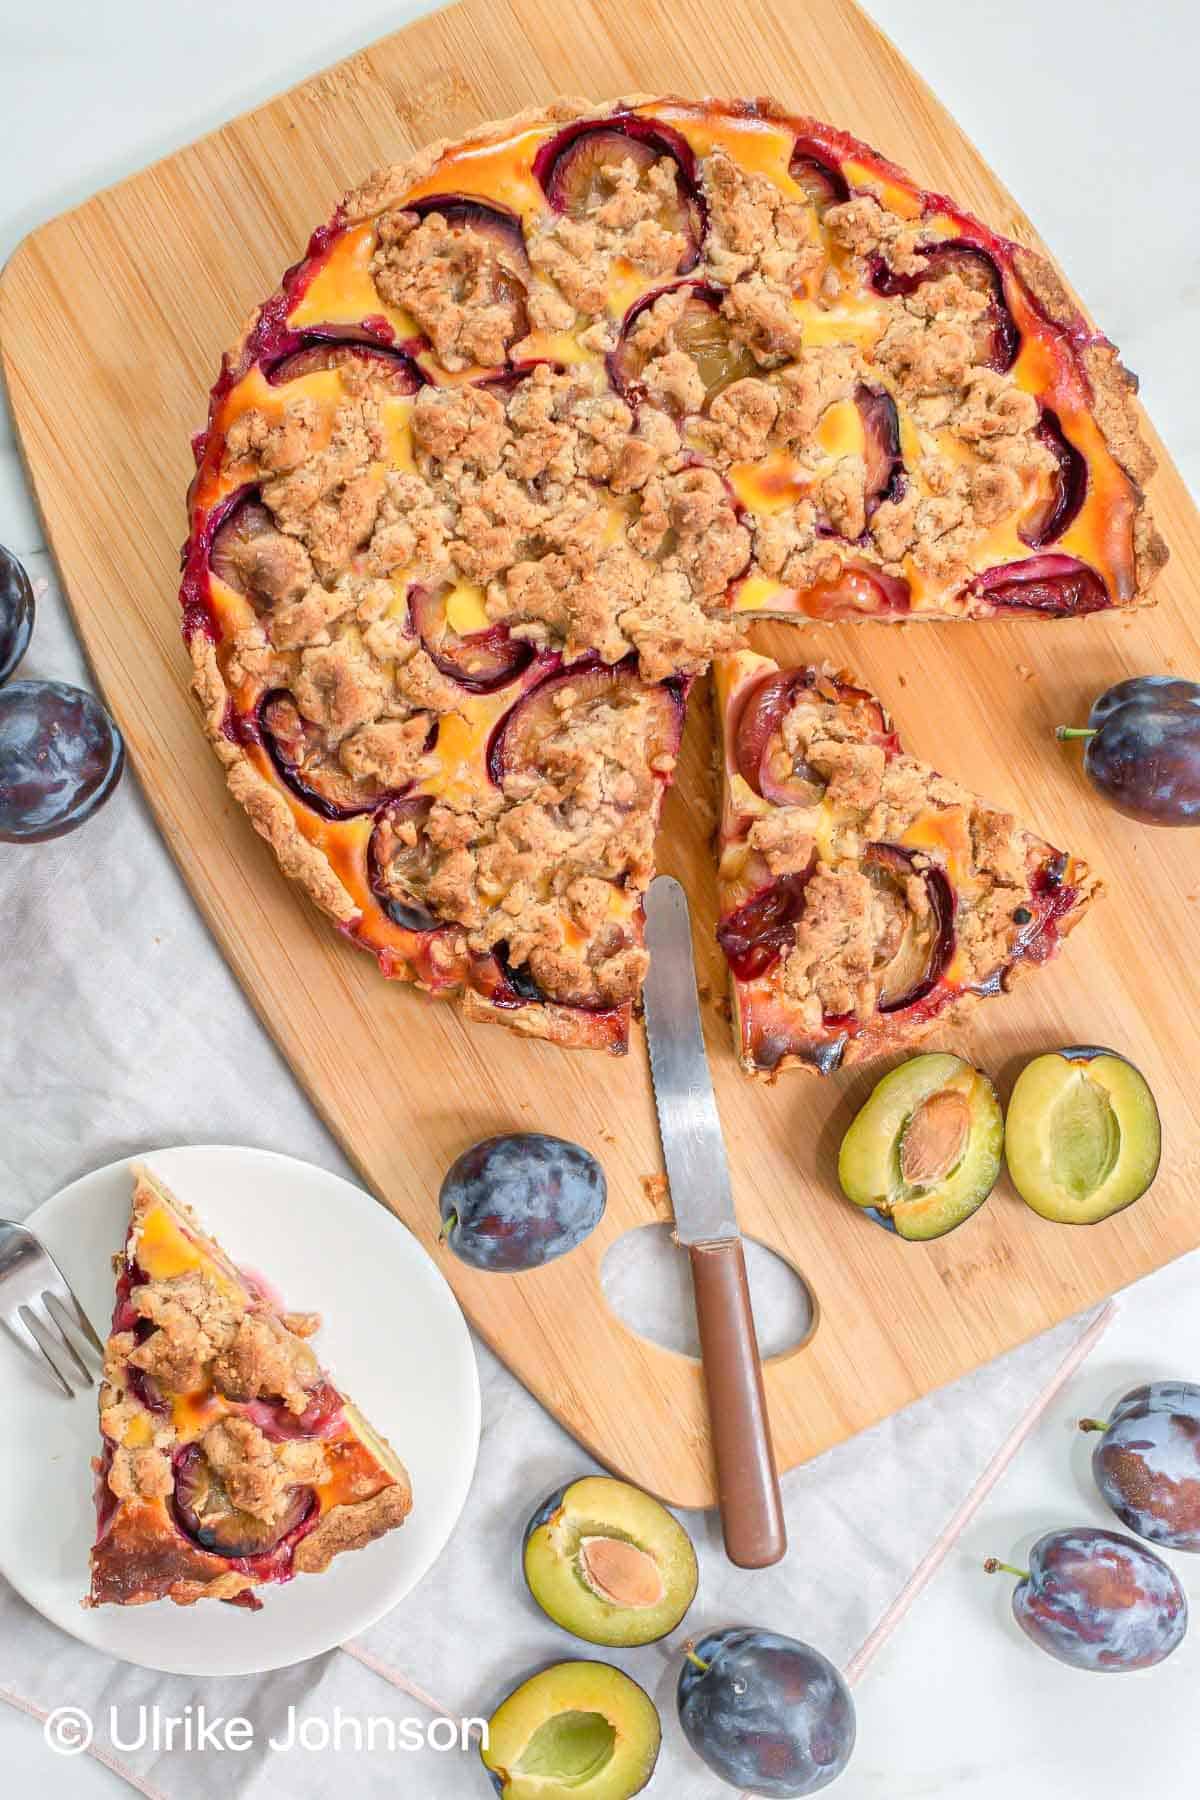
[647, 1281]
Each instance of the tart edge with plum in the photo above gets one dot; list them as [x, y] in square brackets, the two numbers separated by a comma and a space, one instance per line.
[844, 865]
[296, 837]
[229, 1460]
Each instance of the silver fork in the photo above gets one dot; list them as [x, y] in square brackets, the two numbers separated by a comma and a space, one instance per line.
[39, 1309]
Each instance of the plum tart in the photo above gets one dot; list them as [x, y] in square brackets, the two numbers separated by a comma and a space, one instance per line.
[230, 1461]
[863, 896]
[539, 421]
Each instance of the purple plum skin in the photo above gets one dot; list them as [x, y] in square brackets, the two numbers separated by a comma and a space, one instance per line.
[1147, 1464]
[61, 756]
[1145, 756]
[1097, 1600]
[513, 1203]
[769, 1715]
[16, 613]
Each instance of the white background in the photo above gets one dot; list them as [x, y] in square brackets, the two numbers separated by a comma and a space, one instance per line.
[131, 1032]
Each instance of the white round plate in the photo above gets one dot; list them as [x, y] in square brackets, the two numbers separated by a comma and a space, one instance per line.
[392, 1336]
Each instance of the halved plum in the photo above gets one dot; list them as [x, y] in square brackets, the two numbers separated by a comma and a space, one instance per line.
[824, 183]
[881, 431]
[542, 714]
[998, 340]
[392, 367]
[577, 171]
[510, 270]
[584, 1729]
[761, 757]
[916, 942]
[400, 861]
[209, 1517]
[1052, 585]
[245, 552]
[1068, 487]
[478, 660]
[609, 1564]
[309, 766]
[924, 1152]
[1084, 1137]
[757, 934]
[702, 332]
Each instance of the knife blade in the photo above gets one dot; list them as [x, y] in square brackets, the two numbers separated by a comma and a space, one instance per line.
[706, 1225]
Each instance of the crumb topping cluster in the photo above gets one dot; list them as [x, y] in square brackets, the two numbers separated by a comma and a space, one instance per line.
[197, 1336]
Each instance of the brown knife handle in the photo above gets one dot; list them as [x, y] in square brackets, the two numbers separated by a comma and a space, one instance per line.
[747, 1480]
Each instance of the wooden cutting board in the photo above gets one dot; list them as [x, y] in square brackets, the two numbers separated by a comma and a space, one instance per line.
[112, 321]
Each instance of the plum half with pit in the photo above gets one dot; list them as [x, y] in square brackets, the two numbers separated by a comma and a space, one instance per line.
[1097, 1600]
[1147, 1463]
[583, 1729]
[580, 169]
[1143, 748]
[1082, 1137]
[16, 613]
[515, 1202]
[609, 1564]
[768, 1714]
[924, 1152]
[61, 757]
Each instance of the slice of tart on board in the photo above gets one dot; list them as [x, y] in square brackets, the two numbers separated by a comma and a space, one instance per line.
[229, 1460]
[864, 896]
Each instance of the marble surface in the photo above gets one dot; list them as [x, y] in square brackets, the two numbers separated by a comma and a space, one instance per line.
[123, 1029]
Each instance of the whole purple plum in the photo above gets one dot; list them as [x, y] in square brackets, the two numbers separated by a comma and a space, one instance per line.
[1143, 748]
[1147, 1464]
[767, 1714]
[512, 1203]
[1098, 1601]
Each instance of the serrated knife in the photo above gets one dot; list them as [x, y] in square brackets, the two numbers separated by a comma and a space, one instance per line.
[706, 1225]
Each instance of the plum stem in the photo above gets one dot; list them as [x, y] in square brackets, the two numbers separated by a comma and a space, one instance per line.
[448, 1224]
[1093, 1424]
[993, 1566]
[1064, 733]
[689, 1651]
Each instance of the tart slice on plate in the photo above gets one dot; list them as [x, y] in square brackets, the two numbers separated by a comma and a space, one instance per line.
[863, 895]
[229, 1460]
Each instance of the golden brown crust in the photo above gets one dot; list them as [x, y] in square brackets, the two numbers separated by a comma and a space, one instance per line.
[351, 1527]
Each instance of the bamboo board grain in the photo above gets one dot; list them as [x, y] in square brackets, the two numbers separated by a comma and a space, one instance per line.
[112, 320]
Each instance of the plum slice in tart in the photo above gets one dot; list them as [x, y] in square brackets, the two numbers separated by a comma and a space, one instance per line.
[590, 390]
[229, 1461]
[864, 897]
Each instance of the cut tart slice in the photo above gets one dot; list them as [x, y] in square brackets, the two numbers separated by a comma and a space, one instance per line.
[863, 896]
[229, 1459]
